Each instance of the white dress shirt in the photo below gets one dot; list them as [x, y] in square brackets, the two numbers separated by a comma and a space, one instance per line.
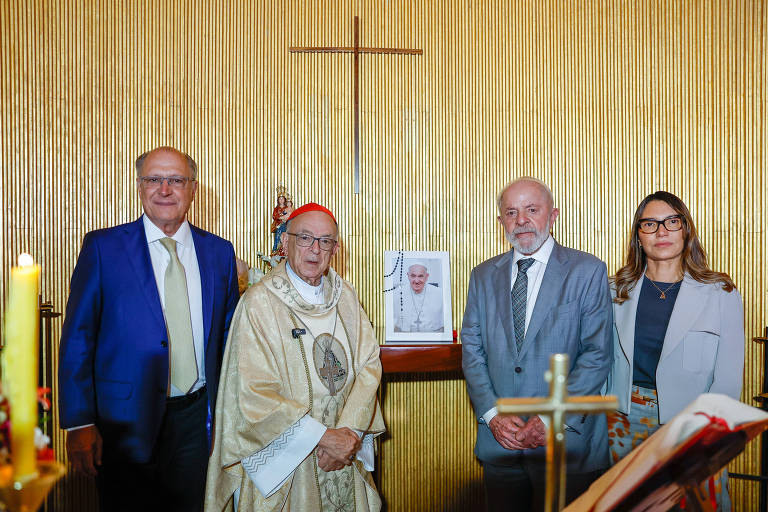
[185, 248]
[535, 275]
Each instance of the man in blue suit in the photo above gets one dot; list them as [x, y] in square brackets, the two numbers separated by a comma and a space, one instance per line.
[146, 322]
[539, 299]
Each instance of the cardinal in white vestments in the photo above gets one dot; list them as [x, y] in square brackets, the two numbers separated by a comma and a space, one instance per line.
[297, 411]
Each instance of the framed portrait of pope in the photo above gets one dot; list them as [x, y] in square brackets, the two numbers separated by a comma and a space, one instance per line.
[417, 289]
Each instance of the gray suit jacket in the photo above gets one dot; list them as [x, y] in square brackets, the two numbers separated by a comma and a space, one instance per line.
[703, 349]
[572, 315]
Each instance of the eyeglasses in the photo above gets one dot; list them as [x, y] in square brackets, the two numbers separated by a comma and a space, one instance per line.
[304, 240]
[177, 182]
[671, 223]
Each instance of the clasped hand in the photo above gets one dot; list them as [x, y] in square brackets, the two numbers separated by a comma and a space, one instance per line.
[337, 448]
[514, 433]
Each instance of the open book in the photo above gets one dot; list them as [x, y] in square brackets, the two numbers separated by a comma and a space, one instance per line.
[694, 445]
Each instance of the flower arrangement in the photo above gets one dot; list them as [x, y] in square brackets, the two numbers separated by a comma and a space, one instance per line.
[248, 276]
[42, 441]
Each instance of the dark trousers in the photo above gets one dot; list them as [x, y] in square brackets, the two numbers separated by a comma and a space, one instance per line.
[518, 487]
[174, 478]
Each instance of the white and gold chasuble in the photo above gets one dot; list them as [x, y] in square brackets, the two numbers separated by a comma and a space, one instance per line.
[278, 394]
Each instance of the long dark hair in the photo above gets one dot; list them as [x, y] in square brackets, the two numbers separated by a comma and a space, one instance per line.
[694, 259]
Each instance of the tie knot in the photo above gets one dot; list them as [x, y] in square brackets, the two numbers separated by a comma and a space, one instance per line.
[169, 244]
[524, 264]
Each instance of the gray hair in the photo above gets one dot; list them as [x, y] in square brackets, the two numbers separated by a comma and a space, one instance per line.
[529, 179]
[191, 164]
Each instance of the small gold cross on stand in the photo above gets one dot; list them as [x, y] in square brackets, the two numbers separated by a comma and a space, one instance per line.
[556, 406]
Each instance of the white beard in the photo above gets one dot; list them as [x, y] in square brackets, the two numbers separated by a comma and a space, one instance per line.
[531, 247]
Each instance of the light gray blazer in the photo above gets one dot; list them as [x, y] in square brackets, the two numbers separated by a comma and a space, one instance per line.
[703, 348]
[572, 315]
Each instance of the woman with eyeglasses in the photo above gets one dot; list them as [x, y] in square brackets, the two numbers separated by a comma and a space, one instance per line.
[678, 328]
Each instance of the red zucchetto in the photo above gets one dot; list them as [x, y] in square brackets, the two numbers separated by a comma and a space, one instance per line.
[311, 207]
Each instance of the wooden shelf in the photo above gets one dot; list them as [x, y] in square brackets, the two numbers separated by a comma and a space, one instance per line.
[421, 358]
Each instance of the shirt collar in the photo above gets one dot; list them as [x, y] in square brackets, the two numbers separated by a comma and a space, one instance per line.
[311, 294]
[183, 235]
[541, 255]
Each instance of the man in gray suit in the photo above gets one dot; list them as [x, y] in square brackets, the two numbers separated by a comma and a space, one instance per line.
[536, 300]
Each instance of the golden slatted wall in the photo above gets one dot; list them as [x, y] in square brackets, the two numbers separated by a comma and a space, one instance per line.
[606, 101]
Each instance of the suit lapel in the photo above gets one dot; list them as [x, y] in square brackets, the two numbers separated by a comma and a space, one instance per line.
[206, 278]
[625, 318]
[503, 277]
[549, 291]
[684, 314]
[135, 240]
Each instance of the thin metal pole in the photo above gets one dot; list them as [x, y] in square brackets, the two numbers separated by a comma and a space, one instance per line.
[555, 490]
[357, 107]
[764, 435]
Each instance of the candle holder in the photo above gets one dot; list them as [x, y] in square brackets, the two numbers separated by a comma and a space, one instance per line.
[29, 495]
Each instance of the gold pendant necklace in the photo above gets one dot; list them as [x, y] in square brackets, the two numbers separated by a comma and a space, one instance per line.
[663, 292]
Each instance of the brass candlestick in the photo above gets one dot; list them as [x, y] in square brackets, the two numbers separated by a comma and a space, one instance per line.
[27, 496]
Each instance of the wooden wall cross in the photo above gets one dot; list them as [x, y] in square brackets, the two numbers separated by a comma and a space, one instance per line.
[356, 50]
[556, 406]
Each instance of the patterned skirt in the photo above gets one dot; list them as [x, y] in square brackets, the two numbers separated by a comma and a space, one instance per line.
[626, 432]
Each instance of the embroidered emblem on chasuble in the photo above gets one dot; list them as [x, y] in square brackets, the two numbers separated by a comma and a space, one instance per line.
[337, 490]
[330, 360]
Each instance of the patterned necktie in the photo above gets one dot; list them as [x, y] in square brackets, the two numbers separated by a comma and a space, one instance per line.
[183, 365]
[519, 298]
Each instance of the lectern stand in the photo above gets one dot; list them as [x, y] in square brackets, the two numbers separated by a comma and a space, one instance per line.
[703, 456]
[762, 401]
[676, 459]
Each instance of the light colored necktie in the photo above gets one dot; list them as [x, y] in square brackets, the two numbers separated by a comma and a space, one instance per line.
[183, 366]
[519, 299]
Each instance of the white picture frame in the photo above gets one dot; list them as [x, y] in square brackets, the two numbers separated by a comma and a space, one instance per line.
[417, 293]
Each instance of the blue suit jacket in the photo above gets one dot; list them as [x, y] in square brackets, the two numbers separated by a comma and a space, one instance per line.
[572, 315]
[113, 358]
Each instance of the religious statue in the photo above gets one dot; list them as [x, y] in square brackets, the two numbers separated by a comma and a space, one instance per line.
[248, 276]
[280, 214]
